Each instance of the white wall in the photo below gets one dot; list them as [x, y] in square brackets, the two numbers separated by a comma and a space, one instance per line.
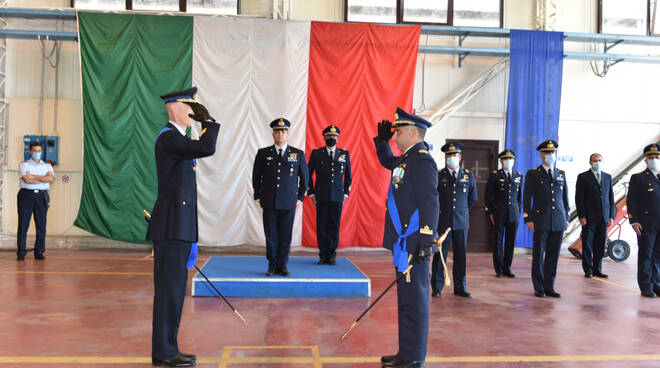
[615, 115]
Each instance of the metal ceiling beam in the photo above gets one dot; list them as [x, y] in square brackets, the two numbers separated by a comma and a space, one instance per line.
[38, 13]
[30, 34]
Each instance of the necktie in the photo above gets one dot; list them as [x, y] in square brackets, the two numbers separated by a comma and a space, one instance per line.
[508, 175]
[550, 173]
[453, 173]
[598, 177]
[332, 156]
[279, 153]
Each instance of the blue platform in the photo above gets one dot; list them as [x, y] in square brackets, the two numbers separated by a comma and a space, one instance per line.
[246, 277]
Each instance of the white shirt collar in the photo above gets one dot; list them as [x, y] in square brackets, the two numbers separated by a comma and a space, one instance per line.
[330, 150]
[277, 148]
[595, 172]
[507, 171]
[181, 130]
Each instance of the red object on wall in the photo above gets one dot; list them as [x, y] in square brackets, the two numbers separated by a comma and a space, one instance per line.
[358, 74]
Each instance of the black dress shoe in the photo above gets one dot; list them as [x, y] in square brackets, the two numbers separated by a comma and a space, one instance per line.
[388, 358]
[463, 293]
[539, 294]
[284, 271]
[588, 275]
[553, 294]
[499, 275]
[331, 262]
[321, 262]
[20, 258]
[177, 361]
[271, 271]
[600, 274]
[192, 357]
[649, 294]
[510, 275]
[400, 362]
[436, 293]
[39, 256]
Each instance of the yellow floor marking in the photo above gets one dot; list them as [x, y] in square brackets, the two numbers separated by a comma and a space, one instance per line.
[317, 361]
[615, 284]
[78, 273]
[227, 358]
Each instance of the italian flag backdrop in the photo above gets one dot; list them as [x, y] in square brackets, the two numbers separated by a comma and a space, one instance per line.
[248, 72]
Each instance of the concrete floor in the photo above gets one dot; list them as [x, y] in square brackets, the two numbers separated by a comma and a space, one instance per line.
[93, 309]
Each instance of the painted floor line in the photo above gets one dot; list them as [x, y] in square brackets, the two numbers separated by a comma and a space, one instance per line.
[317, 360]
[615, 284]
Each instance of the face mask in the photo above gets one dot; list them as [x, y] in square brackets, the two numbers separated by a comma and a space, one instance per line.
[595, 166]
[330, 142]
[36, 156]
[453, 162]
[654, 164]
[507, 164]
[549, 159]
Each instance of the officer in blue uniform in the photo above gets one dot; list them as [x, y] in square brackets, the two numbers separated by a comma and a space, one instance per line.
[643, 202]
[173, 225]
[545, 206]
[279, 180]
[410, 227]
[457, 190]
[333, 184]
[594, 199]
[35, 178]
[503, 204]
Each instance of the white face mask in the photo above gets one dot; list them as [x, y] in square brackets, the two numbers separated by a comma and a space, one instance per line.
[452, 162]
[654, 164]
[507, 164]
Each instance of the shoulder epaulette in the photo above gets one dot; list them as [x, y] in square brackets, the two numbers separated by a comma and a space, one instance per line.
[423, 152]
[494, 172]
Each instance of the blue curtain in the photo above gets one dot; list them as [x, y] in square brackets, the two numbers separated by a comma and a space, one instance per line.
[537, 59]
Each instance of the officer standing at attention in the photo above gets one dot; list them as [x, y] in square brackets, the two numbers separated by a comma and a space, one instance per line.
[503, 204]
[412, 213]
[173, 225]
[333, 184]
[35, 178]
[457, 190]
[643, 202]
[594, 199]
[545, 206]
[279, 180]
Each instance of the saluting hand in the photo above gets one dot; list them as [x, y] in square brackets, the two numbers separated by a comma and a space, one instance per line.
[200, 113]
[385, 130]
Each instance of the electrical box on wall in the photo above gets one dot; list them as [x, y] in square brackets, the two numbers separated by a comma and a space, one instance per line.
[50, 147]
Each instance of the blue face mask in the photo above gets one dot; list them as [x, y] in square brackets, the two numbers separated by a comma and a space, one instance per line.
[452, 162]
[36, 156]
[595, 166]
[507, 164]
[549, 159]
[654, 164]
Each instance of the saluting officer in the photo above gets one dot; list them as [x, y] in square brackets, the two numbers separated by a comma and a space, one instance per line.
[503, 204]
[333, 184]
[412, 214]
[173, 225]
[279, 180]
[457, 190]
[545, 206]
[643, 202]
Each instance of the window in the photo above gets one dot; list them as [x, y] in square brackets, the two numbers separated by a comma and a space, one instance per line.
[374, 11]
[477, 13]
[629, 17]
[229, 7]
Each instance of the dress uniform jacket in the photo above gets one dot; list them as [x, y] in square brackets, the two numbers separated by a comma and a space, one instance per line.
[456, 199]
[504, 197]
[333, 178]
[545, 199]
[643, 200]
[595, 201]
[279, 182]
[414, 191]
[174, 216]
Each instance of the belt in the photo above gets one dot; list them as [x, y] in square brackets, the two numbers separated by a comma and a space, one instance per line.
[35, 190]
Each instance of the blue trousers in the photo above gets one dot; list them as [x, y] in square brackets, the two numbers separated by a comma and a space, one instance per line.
[413, 312]
[505, 238]
[31, 203]
[593, 247]
[648, 260]
[170, 279]
[278, 226]
[328, 219]
[458, 240]
[545, 255]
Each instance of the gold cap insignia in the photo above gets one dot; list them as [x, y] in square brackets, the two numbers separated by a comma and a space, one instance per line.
[281, 122]
[333, 130]
[653, 148]
[550, 145]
